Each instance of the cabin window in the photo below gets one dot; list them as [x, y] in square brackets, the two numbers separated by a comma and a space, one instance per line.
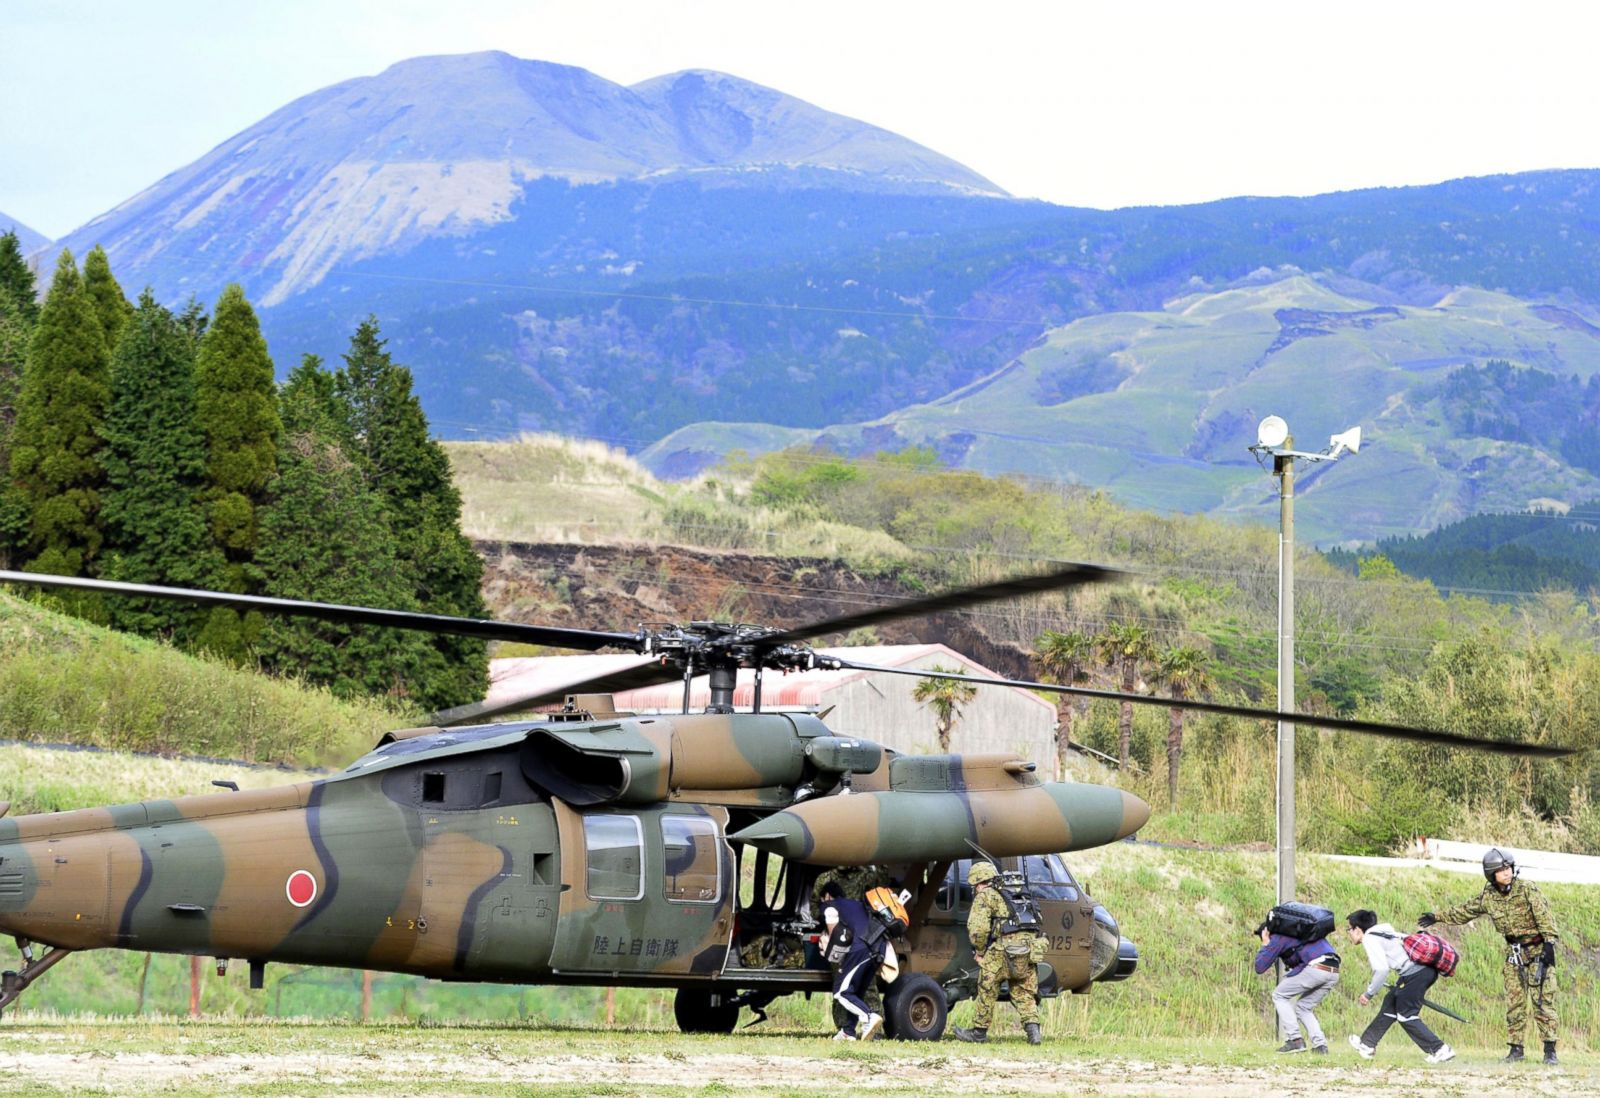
[491, 788]
[692, 859]
[433, 789]
[614, 846]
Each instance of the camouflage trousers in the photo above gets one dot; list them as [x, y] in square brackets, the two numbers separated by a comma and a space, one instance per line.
[1519, 995]
[998, 965]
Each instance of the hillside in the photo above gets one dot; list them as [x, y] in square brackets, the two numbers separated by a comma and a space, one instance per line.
[65, 681]
[1159, 407]
[1501, 555]
[625, 311]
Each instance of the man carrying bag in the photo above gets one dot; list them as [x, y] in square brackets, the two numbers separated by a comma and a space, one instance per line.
[1401, 1003]
[1297, 935]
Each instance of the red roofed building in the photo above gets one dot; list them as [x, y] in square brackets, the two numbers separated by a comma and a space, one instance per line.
[873, 705]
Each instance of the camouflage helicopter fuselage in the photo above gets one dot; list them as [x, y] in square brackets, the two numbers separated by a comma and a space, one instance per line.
[599, 851]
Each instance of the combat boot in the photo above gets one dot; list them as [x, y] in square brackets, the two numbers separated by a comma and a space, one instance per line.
[1550, 1053]
[1035, 1037]
[1514, 1056]
[977, 1034]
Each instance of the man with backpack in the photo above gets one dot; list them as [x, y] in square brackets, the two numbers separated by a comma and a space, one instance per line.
[1004, 930]
[849, 949]
[1401, 1003]
[1312, 970]
[1522, 914]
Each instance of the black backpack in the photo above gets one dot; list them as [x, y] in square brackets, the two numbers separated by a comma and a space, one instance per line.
[1022, 909]
[1307, 922]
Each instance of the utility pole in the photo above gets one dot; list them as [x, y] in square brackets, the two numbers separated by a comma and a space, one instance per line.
[1283, 468]
[1273, 440]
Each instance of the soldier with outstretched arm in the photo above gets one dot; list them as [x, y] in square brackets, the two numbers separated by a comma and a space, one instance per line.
[1520, 913]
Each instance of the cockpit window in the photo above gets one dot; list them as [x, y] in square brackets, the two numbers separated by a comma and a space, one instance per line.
[1048, 878]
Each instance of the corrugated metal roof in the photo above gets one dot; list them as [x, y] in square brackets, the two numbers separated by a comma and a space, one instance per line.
[509, 678]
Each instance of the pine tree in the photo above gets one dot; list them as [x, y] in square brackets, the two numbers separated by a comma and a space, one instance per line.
[389, 434]
[193, 320]
[237, 411]
[309, 394]
[16, 277]
[19, 310]
[325, 537]
[57, 444]
[110, 304]
[155, 469]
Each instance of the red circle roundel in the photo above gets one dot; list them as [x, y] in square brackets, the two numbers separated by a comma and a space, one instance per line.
[301, 888]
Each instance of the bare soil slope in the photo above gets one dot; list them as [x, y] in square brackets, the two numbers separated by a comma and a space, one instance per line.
[617, 587]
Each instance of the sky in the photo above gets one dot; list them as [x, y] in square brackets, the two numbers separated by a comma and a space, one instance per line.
[1077, 102]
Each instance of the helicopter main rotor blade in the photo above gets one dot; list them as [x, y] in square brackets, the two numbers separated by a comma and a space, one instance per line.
[485, 629]
[1342, 724]
[1073, 575]
[649, 671]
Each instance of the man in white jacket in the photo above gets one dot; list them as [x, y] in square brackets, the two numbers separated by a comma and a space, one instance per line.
[1403, 1002]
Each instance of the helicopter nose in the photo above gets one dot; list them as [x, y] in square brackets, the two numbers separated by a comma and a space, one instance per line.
[1135, 814]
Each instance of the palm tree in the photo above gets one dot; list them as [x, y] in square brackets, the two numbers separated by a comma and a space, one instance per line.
[946, 696]
[1124, 646]
[1185, 671]
[1060, 658]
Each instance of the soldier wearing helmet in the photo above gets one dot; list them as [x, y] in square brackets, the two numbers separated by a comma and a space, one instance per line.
[1001, 954]
[1522, 914]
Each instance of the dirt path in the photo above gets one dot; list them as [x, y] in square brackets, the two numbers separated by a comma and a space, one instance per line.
[484, 1066]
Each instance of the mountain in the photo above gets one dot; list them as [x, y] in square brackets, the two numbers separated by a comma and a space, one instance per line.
[549, 250]
[29, 239]
[1159, 407]
[443, 146]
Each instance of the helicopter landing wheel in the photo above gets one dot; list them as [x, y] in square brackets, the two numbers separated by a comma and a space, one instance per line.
[703, 1010]
[915, 1009]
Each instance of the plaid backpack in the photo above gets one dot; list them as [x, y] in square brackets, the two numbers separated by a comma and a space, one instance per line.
[1430, 950]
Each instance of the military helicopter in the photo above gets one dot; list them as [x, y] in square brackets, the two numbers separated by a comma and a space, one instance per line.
[593, 847]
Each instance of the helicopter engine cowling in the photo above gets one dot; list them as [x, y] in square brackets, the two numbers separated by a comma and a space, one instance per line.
[641, 760]
[937, 806]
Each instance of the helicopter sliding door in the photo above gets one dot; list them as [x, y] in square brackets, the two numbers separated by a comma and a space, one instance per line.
[649, 891]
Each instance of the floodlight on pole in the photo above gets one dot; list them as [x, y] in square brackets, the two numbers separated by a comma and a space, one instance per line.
[1274, 440]
[1272, 432]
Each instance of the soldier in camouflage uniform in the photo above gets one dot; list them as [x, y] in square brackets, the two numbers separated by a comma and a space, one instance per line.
[1521, 913]
[856, 880]
[999, 956]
